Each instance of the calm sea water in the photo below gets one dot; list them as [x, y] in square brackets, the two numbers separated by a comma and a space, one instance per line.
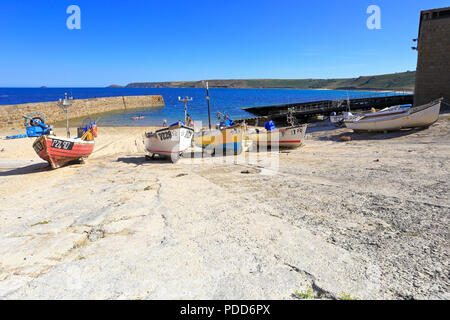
[224, 100]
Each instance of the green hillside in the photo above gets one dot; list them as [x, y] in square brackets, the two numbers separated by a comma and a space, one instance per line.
[394, 81]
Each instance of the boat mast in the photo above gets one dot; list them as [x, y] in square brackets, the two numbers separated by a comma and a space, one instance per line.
[65, 104]
[348, 103]
[209, 110]
[185, 100]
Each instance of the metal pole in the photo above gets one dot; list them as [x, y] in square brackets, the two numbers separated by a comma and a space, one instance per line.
[67, 123]
[65, 104]
[207, 99]
[185, 100]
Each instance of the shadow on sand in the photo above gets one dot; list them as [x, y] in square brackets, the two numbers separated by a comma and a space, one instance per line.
[196, 154]
[34, 168]
[312, 128]
[160, 159]
[138, 160]
[359, 136]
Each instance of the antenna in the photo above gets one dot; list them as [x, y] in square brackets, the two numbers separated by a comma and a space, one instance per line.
[185, 100]
[65, 104]
[348, 103]
[209, 110]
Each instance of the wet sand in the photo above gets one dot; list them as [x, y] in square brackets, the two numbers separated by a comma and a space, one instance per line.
[367, 218]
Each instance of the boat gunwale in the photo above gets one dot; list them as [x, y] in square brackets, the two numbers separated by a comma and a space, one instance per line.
[148, 134]
[75, 140]
[301, 126]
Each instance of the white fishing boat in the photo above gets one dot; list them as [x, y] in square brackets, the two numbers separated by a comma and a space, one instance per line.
[289, 137]
[338, 119]
[416, 117]
[169, 142]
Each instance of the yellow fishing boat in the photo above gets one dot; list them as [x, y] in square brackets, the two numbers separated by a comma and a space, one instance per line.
[223, 140]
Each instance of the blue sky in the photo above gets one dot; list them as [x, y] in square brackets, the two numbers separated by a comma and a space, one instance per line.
[163, 40]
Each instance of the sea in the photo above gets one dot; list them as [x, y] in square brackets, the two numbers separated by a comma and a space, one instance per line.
[225, 100]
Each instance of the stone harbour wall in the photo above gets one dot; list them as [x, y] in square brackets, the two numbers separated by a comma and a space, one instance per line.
[11, 116]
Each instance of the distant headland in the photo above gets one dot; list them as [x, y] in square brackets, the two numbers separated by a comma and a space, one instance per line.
[393, 81]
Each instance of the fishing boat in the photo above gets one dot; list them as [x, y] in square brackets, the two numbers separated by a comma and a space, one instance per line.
[338, 119]
[416, 117]
[173, 140]
[226, 138]
[223, 140]
[56, 150]
[169, 142]
[291, 137]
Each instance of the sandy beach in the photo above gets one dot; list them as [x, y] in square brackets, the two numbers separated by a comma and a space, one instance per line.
[366, 218]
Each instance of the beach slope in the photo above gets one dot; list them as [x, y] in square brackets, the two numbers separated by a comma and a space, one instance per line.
[366, 218]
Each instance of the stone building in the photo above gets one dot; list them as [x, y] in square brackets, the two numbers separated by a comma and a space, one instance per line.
[433, 64]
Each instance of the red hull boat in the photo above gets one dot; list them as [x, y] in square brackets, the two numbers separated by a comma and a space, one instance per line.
[58, 151]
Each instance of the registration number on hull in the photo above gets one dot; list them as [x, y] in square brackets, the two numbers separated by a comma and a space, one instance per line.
[38, 147]
[61, 144]
[166, 135]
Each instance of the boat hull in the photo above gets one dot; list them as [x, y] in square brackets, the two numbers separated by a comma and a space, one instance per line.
[291, 137]
[337, 121]
[169, 141]
[221, 140]
[58, 151]
[417, 117]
